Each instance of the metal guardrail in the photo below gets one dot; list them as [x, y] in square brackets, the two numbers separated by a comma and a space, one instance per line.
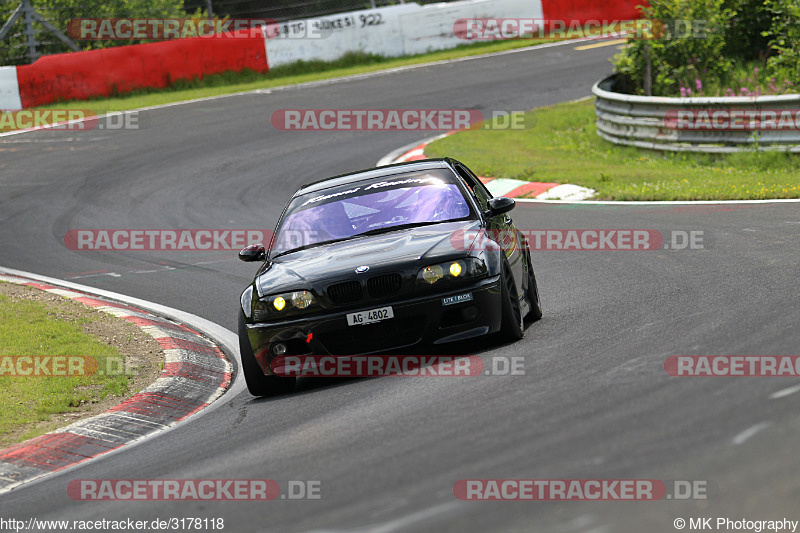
[650, 122]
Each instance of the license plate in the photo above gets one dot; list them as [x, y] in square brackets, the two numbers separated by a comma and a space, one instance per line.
[369, 317]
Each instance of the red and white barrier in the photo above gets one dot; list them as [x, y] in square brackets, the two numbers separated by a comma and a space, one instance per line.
[592, 10]
[84, 75]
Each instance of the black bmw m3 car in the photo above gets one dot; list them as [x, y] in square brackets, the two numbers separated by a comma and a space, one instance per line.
[383, 259]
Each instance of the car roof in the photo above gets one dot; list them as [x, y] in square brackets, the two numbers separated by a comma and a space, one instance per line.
[379, 172]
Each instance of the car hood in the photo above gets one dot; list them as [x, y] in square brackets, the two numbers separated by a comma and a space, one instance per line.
[392, 251]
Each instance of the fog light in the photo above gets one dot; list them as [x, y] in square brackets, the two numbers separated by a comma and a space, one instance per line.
[469, 313]
[279, 348]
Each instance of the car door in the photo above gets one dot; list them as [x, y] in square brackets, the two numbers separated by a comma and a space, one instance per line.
[500, 226]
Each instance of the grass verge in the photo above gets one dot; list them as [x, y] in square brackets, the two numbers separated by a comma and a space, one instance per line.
[35, 323]
[560, 144]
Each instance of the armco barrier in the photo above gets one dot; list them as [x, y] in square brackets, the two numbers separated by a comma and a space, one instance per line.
[650, 121]
[83, 75]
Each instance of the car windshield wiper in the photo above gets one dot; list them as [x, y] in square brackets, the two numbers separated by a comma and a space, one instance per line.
[386, 229]
[307, 246]
[375, 231]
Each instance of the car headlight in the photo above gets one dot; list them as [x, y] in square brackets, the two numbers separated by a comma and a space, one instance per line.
[282, 304]
[470, 267]
[432, 274]
[302, 299]
[247, 301]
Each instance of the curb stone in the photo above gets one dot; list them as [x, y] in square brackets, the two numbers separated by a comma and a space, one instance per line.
[196, 372]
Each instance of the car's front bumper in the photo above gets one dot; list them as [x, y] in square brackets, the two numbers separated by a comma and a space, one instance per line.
[417, 321]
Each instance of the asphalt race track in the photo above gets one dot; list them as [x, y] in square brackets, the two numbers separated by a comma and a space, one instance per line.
[595, 400]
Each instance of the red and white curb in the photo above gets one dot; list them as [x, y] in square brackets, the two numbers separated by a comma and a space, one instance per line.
[502, 186]
[196, 372]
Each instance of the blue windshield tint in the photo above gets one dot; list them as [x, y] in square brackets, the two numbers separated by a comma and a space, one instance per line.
[355, 209]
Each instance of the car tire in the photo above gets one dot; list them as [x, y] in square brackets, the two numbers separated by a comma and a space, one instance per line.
[512, 327]
[258, 383]
[535, 311]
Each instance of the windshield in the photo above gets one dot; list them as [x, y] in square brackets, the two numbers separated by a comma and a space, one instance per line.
[371, 206]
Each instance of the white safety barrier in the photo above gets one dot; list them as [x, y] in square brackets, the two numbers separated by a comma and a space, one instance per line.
[388, 31]
[9, 89]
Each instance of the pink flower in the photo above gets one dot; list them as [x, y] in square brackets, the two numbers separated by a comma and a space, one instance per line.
[698, 84]
[683, 91]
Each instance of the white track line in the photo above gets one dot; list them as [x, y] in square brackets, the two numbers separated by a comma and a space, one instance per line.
[748, 433]
[398, 523]
[785, 392]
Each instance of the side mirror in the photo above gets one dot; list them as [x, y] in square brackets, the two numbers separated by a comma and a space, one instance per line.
[500, 205]
[254, 252]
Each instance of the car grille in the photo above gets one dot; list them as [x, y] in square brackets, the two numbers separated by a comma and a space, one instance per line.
[347, 292]
[371, 338]
[384, 285]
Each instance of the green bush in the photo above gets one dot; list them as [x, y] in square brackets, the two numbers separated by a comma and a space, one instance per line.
[678, 58]
[13, 49]
[734, 47]
[784, 34]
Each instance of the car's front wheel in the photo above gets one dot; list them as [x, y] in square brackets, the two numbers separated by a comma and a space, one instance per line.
[258, 383]
[532, 293]
[512, 327]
